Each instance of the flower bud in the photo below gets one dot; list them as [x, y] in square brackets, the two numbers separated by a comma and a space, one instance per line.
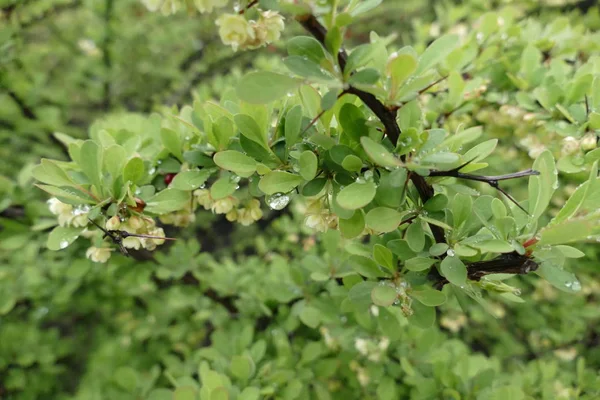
[232, 215]
[98, 254]
[273, 24]
[113, 223]
[570, 146]
[135, 222]
[589, 142]
[57, 207]
[223, 206]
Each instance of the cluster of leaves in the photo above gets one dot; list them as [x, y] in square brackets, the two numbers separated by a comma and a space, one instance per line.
[378, 148]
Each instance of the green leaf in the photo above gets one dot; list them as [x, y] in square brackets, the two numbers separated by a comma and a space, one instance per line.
[185, 393]
[306, 68]
[399, 68]
[69, 195]
[429, 297]
[364, 6]
[570, 252]
[541, 187]
[383, 295]
[454, 270]
[367, 76]
[293, 124]
[423, 316]
[264, 87]
[356, 195]
[114, 160]
[250, 129]
[172, 142]
[378, 153]
[134, 170]
[223, 187]
[49, 172]
[279, 182]
[494, 246]
[360, 294]
[419, 263]
[415, 236]
[90, 159]
[242, 367]
[61, 237]
[167, 201]
[306, 46]
[127, 378]
[354, 226]
[569, 231]
[352, 163]
[353, 122]
[359, 57]
[436, 52]
[383, 219]
[235, 161]
[366, 267]
[310, 316]
[223, 130]
[558, 277]
[308, 164]
[384, 257]
[190, 180]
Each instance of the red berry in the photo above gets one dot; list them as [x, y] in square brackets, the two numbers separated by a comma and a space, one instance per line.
[169, 178]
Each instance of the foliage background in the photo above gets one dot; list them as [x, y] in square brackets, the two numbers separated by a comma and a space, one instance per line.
[228, 306]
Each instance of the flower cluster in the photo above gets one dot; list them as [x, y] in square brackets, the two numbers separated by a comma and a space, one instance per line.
[245, 215]
[235, 30]
[76, 217]
[181, 218]
[319, 217]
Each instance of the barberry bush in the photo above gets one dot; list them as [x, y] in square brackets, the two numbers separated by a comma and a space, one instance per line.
[349, 220]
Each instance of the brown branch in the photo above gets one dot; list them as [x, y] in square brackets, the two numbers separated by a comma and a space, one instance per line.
[250, 5]
[385, 115]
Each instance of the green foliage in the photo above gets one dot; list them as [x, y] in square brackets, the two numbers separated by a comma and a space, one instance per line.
[385, 265]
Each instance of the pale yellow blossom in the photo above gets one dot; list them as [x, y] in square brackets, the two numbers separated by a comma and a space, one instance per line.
[98, 254]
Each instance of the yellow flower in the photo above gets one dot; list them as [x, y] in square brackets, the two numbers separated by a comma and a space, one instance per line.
[57, 207]
[235, 30]
[98, 254]
[232, 215]
[223, 206]
[113, 223]
[273, 24]
[589, 142]
[132, 242]
[203, 198]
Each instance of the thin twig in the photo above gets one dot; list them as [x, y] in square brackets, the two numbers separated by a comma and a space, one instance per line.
[250, 5]
[490, 180]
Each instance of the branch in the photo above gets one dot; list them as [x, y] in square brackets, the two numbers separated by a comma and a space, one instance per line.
[510, 263]
[385, 115]
[490, 180]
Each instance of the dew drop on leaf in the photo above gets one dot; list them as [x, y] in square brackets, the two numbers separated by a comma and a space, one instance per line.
[278, 201]
[450, 253]
[64, 244]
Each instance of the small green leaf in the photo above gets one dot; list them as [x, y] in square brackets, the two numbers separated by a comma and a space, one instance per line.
[429, 297]
[399, 68]
[360, 294]
[419, 263]
[134, 170]
[279, 182]
[223, 187]
[190, 180]
[367, 76]
[378, 153]
[235, 161]
[436, 52]
[250, 129]
[90, 158]
[185, 393]
[494, 246]
[61, 237]
[366, 267]
[541, 187]
[352, 227]
[558, 277]
[415, 236]
[114, 160]
[306, 68]
[293, 124]
[167, 201]
[69, 195]
[353, 122]
[308, 164]
[172, 142]
[454, 270]
[356, 195]
[242, 367]
[264, 87]
[310, 316]
[383, 295]
[384, 257]
[49, 172]
[352, 163]
[306, 46]
[383, 219]
[423, 316]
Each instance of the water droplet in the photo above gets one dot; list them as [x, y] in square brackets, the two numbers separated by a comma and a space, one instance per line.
[360, 180]
[574, 286]
[187, 138]
[159, 162]
[517, 292]
[203, 186]
[368, 175]
[64, 244]
[152, 171]
[278, 201]
[450, 253]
